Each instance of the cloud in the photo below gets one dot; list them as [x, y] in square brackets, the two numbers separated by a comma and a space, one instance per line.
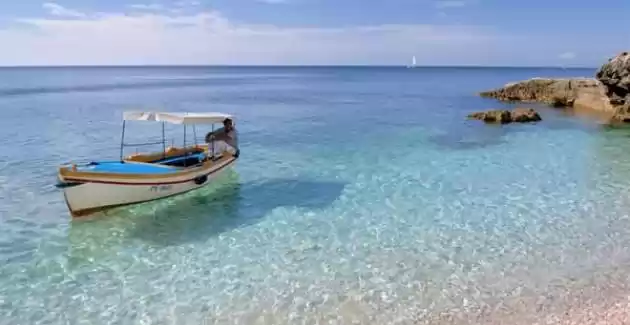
[151, 6]
[58, 10]
[567, 56]
[450, 4]
[207, 37]
[273, 1]
[187, 3]
[178, 7]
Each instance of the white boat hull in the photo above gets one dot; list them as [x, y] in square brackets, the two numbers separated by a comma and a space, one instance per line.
[90, 197]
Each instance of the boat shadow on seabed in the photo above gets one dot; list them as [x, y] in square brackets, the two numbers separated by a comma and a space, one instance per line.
[198, 215]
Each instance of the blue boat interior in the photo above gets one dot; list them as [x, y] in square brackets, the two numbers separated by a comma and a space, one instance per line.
[125, 168]
[162, 166]
[183, 160]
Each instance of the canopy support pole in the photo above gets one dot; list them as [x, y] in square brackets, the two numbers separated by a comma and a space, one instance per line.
[212, 143]
[185, 154]
[122, 141]
[195, 134]
[163, 142]
[184, 136]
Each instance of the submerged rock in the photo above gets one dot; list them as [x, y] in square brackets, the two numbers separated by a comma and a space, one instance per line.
[518, 115]
[493, 116]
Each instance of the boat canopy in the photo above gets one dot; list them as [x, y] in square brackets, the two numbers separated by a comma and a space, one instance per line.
[177, 117]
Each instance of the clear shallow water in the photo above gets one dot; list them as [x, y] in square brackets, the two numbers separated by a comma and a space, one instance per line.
[362, 195]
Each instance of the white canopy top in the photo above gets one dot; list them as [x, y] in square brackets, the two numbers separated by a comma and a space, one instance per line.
[177, 117]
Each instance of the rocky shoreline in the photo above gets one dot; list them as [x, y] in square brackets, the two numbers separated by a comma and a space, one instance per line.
[607, 93]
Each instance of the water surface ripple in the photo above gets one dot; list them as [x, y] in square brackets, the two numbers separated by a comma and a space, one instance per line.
[362, 196]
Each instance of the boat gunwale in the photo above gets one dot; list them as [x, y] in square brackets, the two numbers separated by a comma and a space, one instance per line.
[67, 174]
[76, 214]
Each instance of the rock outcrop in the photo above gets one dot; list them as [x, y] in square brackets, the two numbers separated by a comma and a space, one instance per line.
[518, 115]
[615, 77]
[608, 93]
[523, 115]
[556, 92]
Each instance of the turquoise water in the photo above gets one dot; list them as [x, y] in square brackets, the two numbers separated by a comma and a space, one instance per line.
[362, 195]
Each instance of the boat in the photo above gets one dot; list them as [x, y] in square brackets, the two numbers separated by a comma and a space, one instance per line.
[102, 185]
[413, 63]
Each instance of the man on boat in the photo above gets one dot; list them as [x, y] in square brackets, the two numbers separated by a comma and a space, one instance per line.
[224, 139]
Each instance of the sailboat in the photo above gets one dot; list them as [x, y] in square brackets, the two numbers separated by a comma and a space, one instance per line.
[413, 62]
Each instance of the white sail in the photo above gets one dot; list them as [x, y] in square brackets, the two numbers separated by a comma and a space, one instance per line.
[413, 62]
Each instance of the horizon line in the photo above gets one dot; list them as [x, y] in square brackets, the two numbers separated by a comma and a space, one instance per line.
[291, 66]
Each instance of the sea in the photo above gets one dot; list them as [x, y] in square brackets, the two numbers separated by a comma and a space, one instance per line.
[363, 195]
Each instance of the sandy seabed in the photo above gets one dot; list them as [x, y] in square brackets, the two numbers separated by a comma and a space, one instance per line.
[591, 304]
[603, 299]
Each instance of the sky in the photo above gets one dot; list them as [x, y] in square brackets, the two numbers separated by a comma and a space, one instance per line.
[313, 32]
